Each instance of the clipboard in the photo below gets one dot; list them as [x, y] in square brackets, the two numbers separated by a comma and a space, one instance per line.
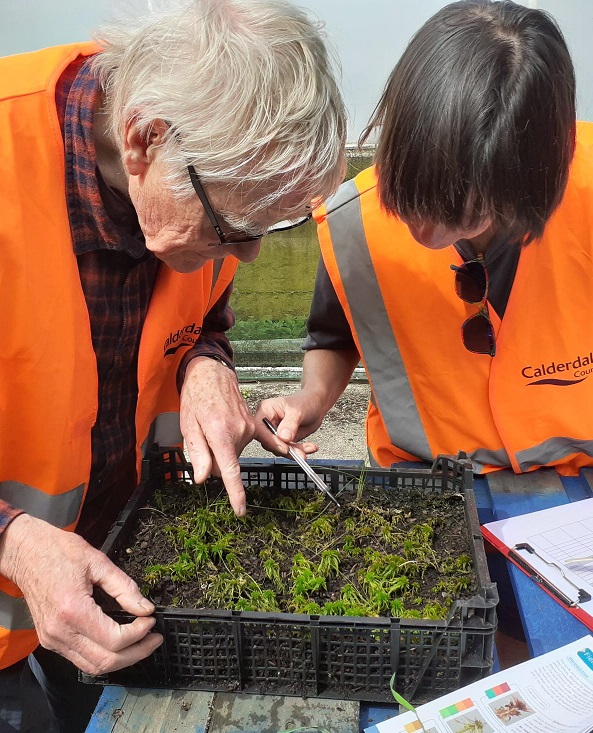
[541, 543]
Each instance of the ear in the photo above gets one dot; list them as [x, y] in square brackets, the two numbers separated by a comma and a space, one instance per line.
[139, 147]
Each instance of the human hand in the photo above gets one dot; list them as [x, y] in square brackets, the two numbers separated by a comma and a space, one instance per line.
[216, 424]
[56, 571]
[295, 417]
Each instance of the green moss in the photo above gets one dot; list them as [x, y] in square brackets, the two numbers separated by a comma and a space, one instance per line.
[294, 553]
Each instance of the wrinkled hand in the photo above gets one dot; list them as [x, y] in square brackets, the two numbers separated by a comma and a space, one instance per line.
[216, 424]
[295, 416]
[56, 571]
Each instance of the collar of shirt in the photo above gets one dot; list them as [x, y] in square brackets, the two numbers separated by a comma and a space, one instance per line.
[100, 218]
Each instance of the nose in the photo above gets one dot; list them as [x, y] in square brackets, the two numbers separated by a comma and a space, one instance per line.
[247, 251]
[430, 235]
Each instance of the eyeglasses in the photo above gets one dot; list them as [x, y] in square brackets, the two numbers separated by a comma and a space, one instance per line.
[237, 237]
[471, 285]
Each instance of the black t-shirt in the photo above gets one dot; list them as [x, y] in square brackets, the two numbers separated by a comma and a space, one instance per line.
[328, 327]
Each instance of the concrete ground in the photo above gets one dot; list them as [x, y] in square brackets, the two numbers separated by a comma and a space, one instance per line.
[341, 435]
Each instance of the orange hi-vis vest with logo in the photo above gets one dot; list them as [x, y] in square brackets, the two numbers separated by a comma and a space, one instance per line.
[529, 406]
[48, 370]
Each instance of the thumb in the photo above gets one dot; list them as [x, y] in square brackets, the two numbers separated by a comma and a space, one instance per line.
[288, 427]
[122, 588]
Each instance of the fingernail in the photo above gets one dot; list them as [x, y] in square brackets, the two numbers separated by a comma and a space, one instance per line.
[146, 605]
[241, 511]
[285, 434]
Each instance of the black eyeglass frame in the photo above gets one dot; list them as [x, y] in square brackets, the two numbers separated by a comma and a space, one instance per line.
[214, 220]
[482, 303]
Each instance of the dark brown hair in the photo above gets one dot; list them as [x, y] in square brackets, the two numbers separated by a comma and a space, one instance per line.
[478, 117]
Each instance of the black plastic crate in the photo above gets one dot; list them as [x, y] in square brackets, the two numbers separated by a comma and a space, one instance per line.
[316, 656]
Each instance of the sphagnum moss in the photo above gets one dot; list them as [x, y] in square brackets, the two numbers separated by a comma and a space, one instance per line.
[399, 553]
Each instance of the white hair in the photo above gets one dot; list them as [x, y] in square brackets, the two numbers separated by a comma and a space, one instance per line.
[247, 87]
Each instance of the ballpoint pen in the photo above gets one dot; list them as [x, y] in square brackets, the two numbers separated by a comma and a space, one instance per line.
[304, 465]
[578, 559]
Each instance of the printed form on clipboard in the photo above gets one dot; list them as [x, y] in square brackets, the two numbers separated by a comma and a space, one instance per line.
[554, 547]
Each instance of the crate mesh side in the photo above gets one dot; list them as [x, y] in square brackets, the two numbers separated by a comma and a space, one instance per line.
[447, 474]
[202, 652]
[278, 658]
[355, 659]
[451, 477]
[444, 669]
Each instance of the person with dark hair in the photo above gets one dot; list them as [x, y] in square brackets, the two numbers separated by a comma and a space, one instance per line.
[477, 216]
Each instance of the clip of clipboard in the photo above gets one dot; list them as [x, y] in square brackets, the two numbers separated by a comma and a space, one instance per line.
[534, 574]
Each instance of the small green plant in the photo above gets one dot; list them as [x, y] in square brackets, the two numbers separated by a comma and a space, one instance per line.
[350, 547]
[322, 528]
[404, 703]
[154, 573]
[274, 534]
[300, 604]
[308, 582]
[361, 482]
[329, 563]
[182, 568]
[272, 571]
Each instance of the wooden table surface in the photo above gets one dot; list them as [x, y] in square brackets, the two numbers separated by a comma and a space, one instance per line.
[123, 710]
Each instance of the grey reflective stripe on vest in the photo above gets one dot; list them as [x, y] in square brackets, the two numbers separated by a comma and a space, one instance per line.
[57, 509]
[553, 450]
[371, 461]
[385, 367]
[482, 457]
[164, 430]
[14, 613]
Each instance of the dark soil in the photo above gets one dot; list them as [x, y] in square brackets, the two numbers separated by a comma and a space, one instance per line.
[397, 552]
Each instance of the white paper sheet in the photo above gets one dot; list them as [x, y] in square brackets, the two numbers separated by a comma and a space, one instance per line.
[555, 534]
[550, 694]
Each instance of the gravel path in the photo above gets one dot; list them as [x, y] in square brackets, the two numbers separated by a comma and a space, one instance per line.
[342, 433]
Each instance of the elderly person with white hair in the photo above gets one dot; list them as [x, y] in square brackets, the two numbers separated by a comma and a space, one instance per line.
[136, 172]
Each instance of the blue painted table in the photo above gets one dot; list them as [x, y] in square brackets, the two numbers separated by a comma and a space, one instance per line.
[545, 623]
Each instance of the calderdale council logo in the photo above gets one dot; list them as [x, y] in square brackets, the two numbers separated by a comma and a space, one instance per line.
[185, 336]
[560, 373]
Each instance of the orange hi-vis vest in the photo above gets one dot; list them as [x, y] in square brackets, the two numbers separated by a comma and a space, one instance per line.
[529, 406]
[48, 370]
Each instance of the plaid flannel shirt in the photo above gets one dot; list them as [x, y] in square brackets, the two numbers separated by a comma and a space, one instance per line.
[117, 274]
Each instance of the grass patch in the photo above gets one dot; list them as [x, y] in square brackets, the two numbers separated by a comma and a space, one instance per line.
[254, 329]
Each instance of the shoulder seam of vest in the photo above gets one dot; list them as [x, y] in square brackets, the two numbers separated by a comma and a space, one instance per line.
[22, 96]
[335, 207]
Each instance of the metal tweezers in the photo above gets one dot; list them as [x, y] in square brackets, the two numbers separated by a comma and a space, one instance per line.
[321, 485]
